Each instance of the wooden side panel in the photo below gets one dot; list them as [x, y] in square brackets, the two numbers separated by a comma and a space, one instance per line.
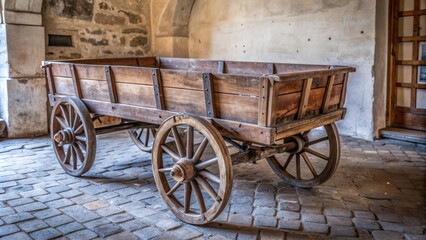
[238, 108]
[61, 70]
[92, 72]
[134, 75]
[184, 101]
[247, 68]
[182, 79]
[137, 95]
[95, 90]
[288, 68]
[64, 86]
[413, 117]
[110, 61]
[239, 85]
[289, 104]
[297, 86]
[194, 65]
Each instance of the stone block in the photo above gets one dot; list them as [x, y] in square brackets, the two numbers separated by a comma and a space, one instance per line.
[22, 18]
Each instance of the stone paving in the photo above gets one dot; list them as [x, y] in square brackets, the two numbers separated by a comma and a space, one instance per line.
[378, 192]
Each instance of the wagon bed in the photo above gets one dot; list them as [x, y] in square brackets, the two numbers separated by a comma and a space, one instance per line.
[264, 109]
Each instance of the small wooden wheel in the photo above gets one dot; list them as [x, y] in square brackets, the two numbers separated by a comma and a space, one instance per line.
[73, 136]
[320, 153]
[143, 138]
[193, 173]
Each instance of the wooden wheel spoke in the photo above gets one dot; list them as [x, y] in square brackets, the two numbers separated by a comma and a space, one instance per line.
[288, 161]
[67, 156]
[79, 130]
[154, 132]
[81, 138]
[199, 196]
[165, 170]
[174, 188]
[305, 134]
[65, 114]
[187, 198]
[210, 176]
[298, 166]
[61, 122]
[206, 164]
[200, 151]
[138, 136]
[76, 121]
[320, 155]
[316, 141]
[82, 145]
[71, 115]
[206, 185]
[146, 138]
[78, 152]
[74, 158]
[178, 141]
[190, 142]
[310, 166]
[175, 156]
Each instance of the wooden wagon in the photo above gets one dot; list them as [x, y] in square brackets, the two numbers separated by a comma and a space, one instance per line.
[196, 109]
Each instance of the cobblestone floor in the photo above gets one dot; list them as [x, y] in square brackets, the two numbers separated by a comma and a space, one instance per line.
[378, 192]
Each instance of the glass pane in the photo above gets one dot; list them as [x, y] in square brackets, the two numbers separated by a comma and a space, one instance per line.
[404, 74]
[405, 27]
[422, 4]
[406, 5]
[405, 51]
[403, 97]
[422, 31]
[421, 98]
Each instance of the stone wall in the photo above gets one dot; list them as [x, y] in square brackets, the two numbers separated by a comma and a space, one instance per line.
[311, 31]
[98, 28]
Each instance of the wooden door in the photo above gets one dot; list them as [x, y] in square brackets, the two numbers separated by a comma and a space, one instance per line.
[407, 65]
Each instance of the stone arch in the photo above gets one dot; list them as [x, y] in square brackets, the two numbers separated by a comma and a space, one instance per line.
[171, 33]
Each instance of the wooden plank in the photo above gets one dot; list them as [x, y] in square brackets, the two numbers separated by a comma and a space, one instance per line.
[344, 88]
[135, 94]
[295, 127]
[412, 13]
[288, 105]
[135, 75]
[50, 79]
[411, 85]
[158, 88]
[76, 81]
[412, 39]
[263, 102]
[413, 62]
[148, 62]
[238, 85]
[237, 108]
[61, 70]
[209, 95]
[312, 74]
[96, 90]
[392, 62]
[305, 98]
[297, 86]
[109, 61]
[182, 79]
[282, 68]
[184, 101]
[326, 102]
[272, 103]
[92, 72]
[111, 85]
[404, 135]
[411, 110]
[64, 86]
[271, 69]
[410, 120]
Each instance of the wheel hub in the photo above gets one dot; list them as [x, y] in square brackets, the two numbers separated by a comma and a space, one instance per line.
[300, 143]
[183, 171]
[65, 136]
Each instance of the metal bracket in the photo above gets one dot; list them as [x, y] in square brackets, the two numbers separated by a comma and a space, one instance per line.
[158, 88]
[208, 95]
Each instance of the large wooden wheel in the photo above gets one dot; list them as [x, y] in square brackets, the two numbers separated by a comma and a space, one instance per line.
[73, 136]
[193, 173]
[314, 160]
[143, 138]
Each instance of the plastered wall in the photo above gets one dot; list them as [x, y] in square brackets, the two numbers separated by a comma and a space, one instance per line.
[99, 28]
[310, 31]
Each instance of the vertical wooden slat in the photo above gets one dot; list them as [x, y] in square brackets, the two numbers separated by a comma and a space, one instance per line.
[50, 80]
[271, 69]
[157, 62]
[111, 85]
[307, 83]
[221, 67]
[415, 55]
[327, 94]
[209, 95]
[158, 88]
[76, 81]
[263, 102]
[344, 88]
[393, 53]
[272, 103]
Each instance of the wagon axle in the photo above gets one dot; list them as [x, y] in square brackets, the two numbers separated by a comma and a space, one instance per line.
[65, 136]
